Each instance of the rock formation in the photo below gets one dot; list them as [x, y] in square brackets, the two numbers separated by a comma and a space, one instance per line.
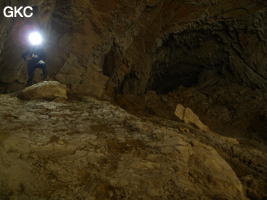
[188, 116]
[147, 56]
[93, 150]
[127, 46]
[48, 90]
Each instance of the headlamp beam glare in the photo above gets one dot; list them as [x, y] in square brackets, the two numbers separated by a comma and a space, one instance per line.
[35, 38]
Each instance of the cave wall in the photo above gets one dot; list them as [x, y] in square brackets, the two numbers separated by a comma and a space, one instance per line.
[194, 42]
[138, 40]
[233, 50]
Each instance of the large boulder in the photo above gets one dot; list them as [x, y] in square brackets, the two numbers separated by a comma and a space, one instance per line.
[48, 90]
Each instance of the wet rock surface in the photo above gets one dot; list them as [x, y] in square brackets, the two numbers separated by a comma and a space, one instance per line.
[93, 150]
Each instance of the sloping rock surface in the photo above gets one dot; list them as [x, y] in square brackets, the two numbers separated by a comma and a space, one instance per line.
[94, 150]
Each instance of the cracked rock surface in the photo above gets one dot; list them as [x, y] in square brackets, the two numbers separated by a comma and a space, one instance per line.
[90, 149]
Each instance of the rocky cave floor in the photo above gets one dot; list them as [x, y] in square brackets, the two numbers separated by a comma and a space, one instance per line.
[209, 56]
[91, 149]
[229, 109]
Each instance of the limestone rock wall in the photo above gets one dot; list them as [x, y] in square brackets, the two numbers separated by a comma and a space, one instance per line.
[106, 47]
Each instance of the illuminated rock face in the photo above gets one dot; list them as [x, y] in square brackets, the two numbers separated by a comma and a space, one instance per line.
[88, 150]
[47, 90]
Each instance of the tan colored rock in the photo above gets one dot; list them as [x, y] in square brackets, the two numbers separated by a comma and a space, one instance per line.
[189, 117]
[93, 150]
[48, 90]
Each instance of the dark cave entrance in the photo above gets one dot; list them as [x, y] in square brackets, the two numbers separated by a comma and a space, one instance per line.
[167, 78]
[188, 60]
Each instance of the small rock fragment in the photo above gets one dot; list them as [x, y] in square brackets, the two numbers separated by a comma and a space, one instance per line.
[189, 117]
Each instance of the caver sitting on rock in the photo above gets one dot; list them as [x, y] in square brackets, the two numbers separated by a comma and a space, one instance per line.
[35, 58]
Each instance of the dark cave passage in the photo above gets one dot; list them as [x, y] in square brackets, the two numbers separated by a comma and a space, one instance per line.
[187, 60]
[171, 77]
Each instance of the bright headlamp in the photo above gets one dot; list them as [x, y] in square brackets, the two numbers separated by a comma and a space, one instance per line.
[35, 38]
